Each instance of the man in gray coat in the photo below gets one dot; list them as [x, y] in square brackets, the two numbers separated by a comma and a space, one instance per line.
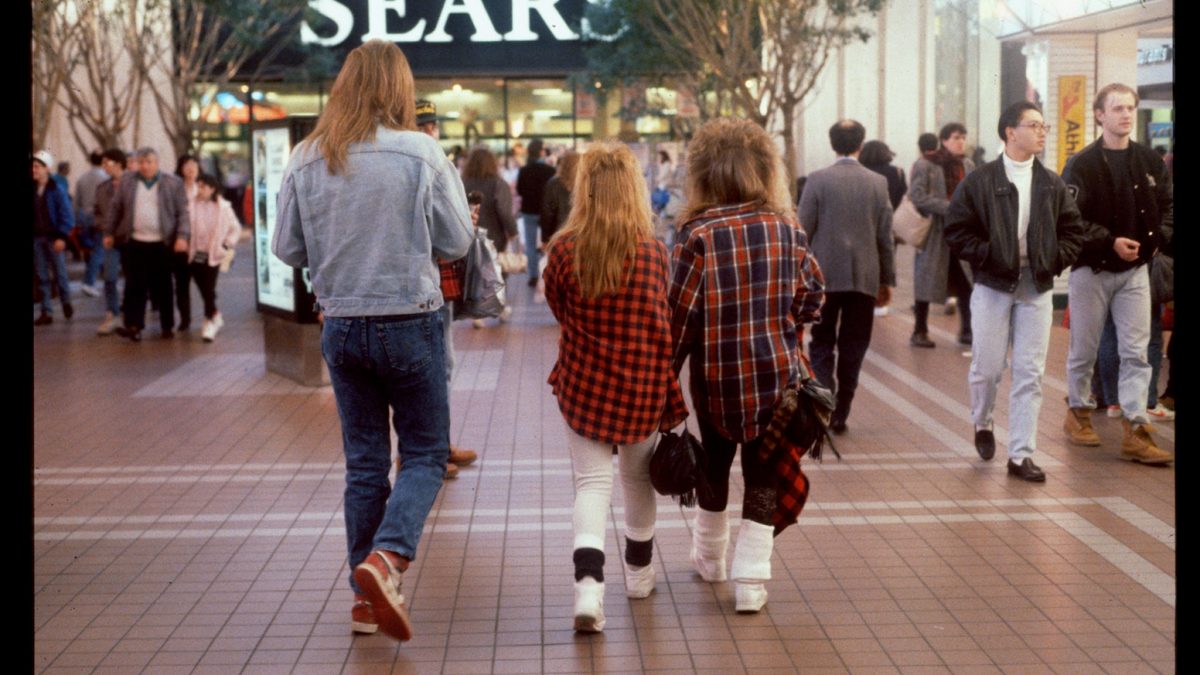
[846, 212]
[148, 219]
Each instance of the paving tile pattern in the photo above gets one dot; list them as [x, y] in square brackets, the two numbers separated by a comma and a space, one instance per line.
[188, 520]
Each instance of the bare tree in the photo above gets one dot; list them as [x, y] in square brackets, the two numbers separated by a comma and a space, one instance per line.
[766, 55]
[80, 64]
[214, 39]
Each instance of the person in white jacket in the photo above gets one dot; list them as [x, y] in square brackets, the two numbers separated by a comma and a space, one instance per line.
[215, 231]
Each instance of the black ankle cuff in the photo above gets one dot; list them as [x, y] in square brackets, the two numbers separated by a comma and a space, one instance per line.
[589, 562]
[638, 553]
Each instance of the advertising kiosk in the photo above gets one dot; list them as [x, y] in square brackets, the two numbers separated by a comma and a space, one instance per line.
[291, 334]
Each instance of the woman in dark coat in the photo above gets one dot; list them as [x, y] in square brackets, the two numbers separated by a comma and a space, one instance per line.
[936, 272]
[877, 156]
[482, 174]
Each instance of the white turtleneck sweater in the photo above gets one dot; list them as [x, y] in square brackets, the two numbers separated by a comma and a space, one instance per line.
[1021, 175]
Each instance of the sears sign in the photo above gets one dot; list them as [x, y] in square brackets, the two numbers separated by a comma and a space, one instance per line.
[456, 37]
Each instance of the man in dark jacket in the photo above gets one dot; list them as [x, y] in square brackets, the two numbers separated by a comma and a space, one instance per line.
[52, 223]
[148, 218]
[1124, 193]
[1015, 223]
[531, 186]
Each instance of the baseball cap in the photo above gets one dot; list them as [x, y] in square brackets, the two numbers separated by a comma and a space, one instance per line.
[426, 112]
[45, 158]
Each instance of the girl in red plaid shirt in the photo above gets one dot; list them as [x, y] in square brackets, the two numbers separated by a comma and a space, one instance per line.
[606, 282]
[742, 289]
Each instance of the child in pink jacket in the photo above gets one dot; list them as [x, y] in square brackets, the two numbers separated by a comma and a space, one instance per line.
[215, 231]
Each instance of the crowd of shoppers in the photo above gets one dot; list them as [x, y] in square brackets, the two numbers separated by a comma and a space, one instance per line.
[751, 269]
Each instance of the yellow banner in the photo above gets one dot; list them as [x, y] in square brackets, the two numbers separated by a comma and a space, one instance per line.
[1072, 112]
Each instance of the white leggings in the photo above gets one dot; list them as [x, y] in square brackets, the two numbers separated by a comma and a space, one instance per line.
[592, 461]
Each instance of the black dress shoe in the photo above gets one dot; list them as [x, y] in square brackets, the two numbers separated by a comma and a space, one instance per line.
[921, 340]
[985, 443]
[168, 334]
[1026, 470]
[837, 423]
[134, 334]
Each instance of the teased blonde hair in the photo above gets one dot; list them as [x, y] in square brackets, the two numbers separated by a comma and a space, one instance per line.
[610, 215]
[375, 87]
[731, 161]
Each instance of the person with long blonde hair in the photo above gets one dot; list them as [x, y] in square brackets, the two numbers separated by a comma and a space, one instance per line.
[742, 288]
[606, 283]
[366, 204]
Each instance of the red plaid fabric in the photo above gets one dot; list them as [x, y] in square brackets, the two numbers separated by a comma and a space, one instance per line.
[742, 288]
[792, 489]
[452, 279]
[613, 377]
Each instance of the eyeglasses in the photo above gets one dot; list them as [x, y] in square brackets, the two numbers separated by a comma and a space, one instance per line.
[1037, 127]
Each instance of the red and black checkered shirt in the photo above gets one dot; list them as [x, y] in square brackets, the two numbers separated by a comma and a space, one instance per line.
[742, 288]
[613, 378]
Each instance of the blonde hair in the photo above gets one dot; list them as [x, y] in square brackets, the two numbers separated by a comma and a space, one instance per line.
[610, 215]
[732, 161]
[375, 87]
[568, 166]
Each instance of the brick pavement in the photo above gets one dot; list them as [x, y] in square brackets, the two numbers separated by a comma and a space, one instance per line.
[170, 474]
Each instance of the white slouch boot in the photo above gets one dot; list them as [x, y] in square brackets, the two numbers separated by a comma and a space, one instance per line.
[752, 565]
[710, 539]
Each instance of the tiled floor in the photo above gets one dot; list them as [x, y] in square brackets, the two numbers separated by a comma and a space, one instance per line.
[187, 519]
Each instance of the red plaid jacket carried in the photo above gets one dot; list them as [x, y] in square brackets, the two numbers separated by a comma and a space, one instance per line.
[452, 279]
[742, 288]
[613, 378]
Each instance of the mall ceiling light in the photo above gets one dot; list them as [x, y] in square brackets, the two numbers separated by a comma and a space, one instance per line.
[549, 91]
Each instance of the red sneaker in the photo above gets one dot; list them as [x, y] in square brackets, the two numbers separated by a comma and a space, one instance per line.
[379, 581]
[362, 617]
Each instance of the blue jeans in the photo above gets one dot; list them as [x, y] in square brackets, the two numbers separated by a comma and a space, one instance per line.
[111, 260]
[377, 363]
[45, 257]
[1022, 319]
[90, 239]
[532, 230]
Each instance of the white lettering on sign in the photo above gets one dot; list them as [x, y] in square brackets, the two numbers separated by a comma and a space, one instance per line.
[484, 30]
[521, 9]
[336, 12]
[377, 22]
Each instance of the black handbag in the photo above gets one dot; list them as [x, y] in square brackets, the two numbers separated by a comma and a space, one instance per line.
[801, 418]
[677, 467]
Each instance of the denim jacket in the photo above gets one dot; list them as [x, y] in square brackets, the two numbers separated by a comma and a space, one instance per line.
[369, 234]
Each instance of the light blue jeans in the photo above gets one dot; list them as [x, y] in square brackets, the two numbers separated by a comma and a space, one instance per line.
[377, 364]
[447, 314]
[1021, 319]
[45, 258]
[1092, 296]
[532, 231]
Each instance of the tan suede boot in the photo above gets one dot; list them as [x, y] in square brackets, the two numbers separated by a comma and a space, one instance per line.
[1138, 446]
[1078, 426]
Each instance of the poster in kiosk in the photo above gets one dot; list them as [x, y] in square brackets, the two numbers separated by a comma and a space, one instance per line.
[291, 334]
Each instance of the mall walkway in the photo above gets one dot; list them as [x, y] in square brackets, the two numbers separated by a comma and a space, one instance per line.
[187, 517]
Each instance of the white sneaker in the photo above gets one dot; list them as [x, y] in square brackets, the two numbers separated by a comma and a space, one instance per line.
[1161, 413]
[219, 320]
[209, 331]
[505, 314]
[589, 605]
[109, 326]
[90, 291]
[639, 581]
[477, 323]
[750, 598]
[1114, 411]
[881, 311]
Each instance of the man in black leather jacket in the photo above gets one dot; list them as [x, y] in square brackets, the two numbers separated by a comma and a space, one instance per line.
[1124, 193]
[1016, 224]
